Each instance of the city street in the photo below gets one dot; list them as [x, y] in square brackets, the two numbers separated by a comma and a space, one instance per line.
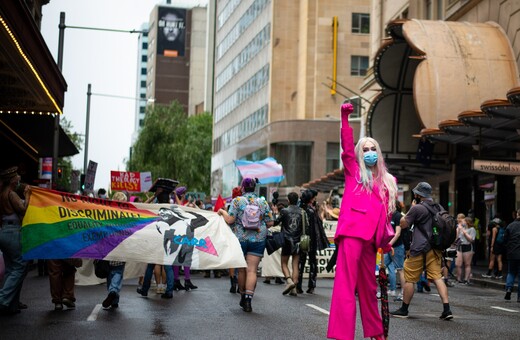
[211, 312]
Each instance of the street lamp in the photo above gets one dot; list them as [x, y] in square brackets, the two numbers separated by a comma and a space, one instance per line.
[87, 123]
[62, 27]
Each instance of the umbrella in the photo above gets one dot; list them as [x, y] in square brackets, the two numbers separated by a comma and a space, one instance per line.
[383, 281]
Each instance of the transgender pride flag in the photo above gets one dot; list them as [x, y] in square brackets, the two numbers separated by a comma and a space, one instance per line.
[267, 170]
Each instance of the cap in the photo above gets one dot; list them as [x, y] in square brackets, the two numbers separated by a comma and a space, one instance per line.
[423, 189]
[9, 173]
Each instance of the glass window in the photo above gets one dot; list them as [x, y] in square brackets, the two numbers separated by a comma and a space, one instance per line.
[361, 23]
[145, 45]
[144, 58]
[295, 158]
[333, 155]
[143, 83]
[358, 65]
[142, 109]
[143, 70]
[356, 103]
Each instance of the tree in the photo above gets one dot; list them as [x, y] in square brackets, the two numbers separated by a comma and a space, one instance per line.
[63, 183]
[171, 145]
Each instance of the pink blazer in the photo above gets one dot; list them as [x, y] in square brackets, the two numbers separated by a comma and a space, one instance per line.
[362, 213]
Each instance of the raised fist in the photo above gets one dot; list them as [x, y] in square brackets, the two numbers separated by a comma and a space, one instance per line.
[346, 109]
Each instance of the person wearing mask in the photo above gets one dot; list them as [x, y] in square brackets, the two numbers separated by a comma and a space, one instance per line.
[318, 241]
[422, 255]
[363, 226]
[12, 211]
[102, 193]
[250, 235]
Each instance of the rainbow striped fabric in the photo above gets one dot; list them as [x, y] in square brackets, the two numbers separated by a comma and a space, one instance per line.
[62, 225]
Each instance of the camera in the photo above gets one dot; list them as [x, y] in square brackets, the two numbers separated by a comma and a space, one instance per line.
[450, 252]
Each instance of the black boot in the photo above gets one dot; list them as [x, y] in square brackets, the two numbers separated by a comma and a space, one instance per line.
[177, 285]
[247, 305]
[188, 285]
[508, 295]
[242, 300]
[233, 288]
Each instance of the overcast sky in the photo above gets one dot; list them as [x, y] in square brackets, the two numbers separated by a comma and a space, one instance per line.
[106, 60]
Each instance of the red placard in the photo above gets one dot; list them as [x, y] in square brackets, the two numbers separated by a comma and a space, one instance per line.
[129, 181]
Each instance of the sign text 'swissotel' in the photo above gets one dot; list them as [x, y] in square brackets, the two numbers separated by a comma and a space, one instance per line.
[497, 167]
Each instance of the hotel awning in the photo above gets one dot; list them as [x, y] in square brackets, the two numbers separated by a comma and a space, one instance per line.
[32, 88]
[436, 80]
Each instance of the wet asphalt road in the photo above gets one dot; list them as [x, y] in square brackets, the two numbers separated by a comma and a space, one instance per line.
[211, 312]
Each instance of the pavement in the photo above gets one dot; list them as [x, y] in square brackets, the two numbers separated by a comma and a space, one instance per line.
[481, 268]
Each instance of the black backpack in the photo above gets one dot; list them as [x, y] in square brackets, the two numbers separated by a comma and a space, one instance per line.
[444, 227]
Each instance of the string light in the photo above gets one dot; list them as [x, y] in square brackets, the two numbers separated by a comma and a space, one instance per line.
[15, 41]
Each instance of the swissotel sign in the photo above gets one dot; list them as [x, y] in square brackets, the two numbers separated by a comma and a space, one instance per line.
[497, 167]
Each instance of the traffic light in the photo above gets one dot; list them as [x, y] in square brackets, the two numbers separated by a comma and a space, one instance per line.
[60, 172]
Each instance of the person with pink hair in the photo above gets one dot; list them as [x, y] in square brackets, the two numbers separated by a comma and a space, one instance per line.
[363, 227]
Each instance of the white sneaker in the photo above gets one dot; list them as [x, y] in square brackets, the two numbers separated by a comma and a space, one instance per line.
[392, 293]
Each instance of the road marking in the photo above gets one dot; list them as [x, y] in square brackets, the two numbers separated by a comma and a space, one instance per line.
[324, 311]
[93, 316]
[507, 310]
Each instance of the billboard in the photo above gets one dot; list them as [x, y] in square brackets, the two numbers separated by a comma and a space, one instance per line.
[171, 32]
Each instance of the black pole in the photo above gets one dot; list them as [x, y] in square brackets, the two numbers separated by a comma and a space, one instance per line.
[87, 127]
[56, 142]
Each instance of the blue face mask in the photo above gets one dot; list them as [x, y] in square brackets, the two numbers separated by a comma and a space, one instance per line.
[370, 158]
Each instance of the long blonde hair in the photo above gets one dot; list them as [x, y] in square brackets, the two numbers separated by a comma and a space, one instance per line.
[384, 179]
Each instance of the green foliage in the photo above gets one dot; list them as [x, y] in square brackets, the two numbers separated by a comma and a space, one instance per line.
[172, 145]
[64, 183]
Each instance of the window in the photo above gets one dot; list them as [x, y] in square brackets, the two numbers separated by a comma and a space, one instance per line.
[144, 59]
[141, 123]
[358, 65]
[361, 23]
[143, 71]
[429, 9]
[332, 157]
[142, 109]
[145, 45]
[356, 103]
[143, 83]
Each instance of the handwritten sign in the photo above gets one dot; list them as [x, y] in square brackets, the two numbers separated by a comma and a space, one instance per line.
[130, 181]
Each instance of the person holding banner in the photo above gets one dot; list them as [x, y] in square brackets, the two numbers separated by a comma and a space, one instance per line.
[162, 195]
[116, 270]
[363, 226]
[251, 236]
[12, 210]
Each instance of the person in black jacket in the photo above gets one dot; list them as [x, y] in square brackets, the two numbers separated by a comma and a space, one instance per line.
[318, 242]
[512, 243]
[291, 220]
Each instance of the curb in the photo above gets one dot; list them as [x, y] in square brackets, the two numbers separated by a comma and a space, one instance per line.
[494, 284]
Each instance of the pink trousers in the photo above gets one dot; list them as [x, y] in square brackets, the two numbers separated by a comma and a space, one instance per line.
[355, 271]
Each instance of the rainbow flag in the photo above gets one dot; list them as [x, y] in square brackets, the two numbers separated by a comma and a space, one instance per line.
[267, 170]
[61, 225]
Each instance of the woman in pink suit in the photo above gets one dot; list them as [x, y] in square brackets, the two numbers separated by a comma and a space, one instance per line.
[363, 226]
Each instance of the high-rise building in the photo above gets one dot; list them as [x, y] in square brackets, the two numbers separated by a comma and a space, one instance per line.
[282, 70]
[171, 63]
[142, 57]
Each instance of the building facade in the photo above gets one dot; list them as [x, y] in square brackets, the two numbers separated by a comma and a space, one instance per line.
[282, 70]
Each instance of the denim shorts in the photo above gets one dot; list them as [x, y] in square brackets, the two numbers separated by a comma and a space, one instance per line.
[398, 257]
[253, 248]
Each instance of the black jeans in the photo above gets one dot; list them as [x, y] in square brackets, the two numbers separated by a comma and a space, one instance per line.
[313, 268]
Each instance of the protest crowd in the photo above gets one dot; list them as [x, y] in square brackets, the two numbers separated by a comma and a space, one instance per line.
[286, 233]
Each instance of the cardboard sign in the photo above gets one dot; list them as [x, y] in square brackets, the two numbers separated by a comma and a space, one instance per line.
[130, 181]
